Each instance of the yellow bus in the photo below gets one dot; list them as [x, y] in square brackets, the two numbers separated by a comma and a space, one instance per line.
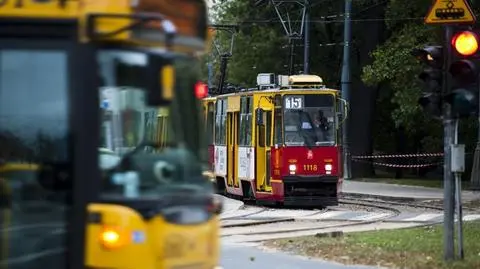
[278, 143]
[83, 182]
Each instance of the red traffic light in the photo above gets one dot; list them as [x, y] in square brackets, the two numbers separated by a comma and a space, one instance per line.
[201, 90]
[465, 43]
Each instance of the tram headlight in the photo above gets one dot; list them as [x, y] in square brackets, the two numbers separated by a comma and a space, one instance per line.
[292, 168]
[328, 168]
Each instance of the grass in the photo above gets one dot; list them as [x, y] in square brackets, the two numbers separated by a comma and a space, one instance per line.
[413, 248]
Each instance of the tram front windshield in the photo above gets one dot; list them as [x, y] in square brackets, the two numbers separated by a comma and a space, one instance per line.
[309, 119]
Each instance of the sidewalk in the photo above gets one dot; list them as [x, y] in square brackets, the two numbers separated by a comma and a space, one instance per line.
[383, 190]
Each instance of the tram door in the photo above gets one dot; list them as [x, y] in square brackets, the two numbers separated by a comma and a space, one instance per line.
[263, 145]
[232, 148]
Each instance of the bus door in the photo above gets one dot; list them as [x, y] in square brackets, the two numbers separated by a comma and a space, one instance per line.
[263, 144]
[233, 120]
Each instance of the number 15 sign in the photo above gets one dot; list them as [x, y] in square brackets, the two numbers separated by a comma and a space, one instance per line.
[294, 102]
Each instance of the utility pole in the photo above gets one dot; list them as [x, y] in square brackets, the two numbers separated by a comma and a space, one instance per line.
[458, 167]
[449, 130]
[306, 39]
[346, 81]
[292, 56]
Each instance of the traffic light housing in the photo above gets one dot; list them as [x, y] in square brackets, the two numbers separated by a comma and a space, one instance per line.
[432, 76]
[463, 97]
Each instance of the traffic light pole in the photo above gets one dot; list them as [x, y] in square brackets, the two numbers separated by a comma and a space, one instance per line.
[458, 165]
[449, 133]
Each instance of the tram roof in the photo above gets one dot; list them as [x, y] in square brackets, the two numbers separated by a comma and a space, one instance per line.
[275, 91]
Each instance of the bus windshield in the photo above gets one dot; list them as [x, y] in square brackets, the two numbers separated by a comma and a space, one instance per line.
[127, 121]
[309, 119]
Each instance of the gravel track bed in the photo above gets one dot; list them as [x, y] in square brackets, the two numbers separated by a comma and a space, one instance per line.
[350, 207]
[470, 206]
[403, 207]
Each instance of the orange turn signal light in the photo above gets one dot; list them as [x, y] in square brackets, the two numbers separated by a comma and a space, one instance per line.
[113, 237]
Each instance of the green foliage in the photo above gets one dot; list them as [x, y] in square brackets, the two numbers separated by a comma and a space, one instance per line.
[394, 64]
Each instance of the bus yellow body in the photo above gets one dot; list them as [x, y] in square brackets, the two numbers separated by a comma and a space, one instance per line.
[82, 75]
[267, 145]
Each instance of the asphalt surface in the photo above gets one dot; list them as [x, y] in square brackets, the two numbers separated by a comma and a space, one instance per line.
[250, 257]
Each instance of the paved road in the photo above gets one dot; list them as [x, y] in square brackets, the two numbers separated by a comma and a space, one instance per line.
[250, 257]
[392, 190]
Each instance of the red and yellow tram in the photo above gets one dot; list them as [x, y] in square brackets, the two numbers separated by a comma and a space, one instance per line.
[277, 143]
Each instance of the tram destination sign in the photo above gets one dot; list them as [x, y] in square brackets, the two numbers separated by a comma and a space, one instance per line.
[450, 12]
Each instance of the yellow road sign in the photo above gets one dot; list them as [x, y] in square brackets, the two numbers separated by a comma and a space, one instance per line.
[450, 11]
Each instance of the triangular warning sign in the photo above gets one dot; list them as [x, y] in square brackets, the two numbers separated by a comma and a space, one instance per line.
[450, 11]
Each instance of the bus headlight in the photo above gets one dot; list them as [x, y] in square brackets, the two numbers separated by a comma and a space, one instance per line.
[292, 168]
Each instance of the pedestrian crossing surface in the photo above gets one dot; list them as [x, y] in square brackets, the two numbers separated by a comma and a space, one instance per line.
[312, 215]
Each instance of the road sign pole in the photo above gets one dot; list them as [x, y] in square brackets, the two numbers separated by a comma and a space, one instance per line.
[458, 167]
[449, 129]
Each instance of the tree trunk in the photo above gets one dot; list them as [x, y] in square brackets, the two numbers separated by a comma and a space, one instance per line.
[363, 98]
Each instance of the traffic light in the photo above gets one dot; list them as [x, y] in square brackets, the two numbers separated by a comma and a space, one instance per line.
[432, 76]
[463, 97]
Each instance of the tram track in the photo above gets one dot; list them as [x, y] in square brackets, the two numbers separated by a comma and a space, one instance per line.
[313, 226]
[391, 208]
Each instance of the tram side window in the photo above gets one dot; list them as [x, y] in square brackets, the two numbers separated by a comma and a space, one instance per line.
[220, 122]
[268, 127]
[277, 136]
[210, 122]
[245, 131]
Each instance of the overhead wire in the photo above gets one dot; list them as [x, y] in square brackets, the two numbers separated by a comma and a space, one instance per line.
[328, 18]
[324, 21]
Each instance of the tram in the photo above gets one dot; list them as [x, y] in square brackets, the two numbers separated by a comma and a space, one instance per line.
[278, 143]
[101, 161]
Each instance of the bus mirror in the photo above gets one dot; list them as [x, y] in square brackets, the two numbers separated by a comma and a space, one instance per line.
[259, 116]
[160, 80]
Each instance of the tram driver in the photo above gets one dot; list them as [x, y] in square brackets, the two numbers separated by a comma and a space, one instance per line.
[321, 124]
